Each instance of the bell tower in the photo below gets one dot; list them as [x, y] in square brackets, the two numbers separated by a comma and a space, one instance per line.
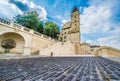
[75, 26]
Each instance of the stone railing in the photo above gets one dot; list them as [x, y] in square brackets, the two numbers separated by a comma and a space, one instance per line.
[5, 21]
[16, 26]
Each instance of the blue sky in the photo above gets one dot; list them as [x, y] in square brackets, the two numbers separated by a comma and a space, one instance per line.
[100, 19]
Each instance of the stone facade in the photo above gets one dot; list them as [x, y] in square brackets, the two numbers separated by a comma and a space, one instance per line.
[94, 49]
[27, 41]
[71, 30]
[84, 48]
[106, 51]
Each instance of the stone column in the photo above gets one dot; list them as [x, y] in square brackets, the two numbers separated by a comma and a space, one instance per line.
[28, 47]
[27, 50]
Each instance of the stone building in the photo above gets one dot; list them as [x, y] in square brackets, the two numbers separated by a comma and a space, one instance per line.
[94, 49]
[71, 30]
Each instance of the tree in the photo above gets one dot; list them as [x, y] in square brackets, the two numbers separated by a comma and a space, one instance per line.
[8, 44]
[51, 29]
[40, 28]
[30, 21]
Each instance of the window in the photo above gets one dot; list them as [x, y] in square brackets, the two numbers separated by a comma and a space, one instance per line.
[64, 37]
[60, 39]
[92, 50]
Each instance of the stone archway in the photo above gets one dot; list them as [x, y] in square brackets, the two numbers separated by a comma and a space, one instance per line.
[17, 38]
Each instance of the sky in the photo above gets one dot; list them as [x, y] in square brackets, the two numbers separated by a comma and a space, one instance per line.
[99, 19]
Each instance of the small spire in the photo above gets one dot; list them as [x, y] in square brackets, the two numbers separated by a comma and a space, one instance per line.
[75, 9]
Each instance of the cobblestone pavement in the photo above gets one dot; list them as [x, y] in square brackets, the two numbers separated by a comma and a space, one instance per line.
[59, 69]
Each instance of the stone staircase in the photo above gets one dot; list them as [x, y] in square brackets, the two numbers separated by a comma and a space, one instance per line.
[47, 51]
[58, 49]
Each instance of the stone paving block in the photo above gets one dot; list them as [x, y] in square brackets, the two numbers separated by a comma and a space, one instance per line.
[59, 69]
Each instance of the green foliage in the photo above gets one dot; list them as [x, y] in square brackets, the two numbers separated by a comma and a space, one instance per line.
[51, 29]
[40, 27]
[30, 21]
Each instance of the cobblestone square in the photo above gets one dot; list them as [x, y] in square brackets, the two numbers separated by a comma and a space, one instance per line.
[60, 69]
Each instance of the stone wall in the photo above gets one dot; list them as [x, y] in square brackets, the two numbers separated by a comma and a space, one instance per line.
[39, 43]
[109, 52]
[94, 49]
[84, 49]
[28, 41]
[59, 49]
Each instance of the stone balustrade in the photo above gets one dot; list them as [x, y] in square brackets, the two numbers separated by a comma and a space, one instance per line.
[5, 21]
[22, 28]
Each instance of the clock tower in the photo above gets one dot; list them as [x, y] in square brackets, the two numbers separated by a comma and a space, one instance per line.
[75, 26]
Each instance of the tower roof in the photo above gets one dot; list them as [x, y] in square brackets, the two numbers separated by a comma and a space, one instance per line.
[75, 9]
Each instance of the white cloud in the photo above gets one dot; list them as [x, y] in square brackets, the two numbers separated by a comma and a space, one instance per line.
[41, 10]
[64, 21]
[89, 41]
[61, 19]
[32, 5]
[13, 10]
[8, 10]
[24, 1]
[29, 3]
[42, 13]
[95, 18]
[105, 39]
[112, 41]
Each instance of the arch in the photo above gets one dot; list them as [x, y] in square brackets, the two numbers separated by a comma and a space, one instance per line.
[3, 32]
[17, 37]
